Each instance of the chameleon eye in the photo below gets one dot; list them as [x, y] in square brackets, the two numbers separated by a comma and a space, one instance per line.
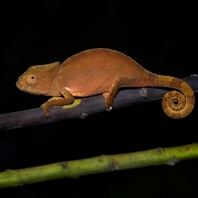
[31, 79]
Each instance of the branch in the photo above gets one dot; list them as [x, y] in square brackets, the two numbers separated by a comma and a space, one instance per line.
[103, 163]
[85, 106]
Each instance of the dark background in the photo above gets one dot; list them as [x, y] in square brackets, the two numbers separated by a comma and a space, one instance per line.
[161, 36]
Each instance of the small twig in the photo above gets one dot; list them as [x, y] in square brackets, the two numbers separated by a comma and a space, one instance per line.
[103, 163]
[87, 106]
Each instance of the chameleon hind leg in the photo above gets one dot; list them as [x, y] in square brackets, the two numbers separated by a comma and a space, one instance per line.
[118, 83]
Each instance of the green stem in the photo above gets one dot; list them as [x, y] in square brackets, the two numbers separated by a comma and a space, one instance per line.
[103, 163]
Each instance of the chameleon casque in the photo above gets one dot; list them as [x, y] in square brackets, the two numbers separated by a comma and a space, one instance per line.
[102, 71]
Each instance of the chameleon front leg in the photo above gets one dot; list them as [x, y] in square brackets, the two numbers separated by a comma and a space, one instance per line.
[58, 101]
[118, 83]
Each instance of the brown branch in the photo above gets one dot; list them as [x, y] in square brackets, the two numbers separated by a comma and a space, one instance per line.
[87, 106]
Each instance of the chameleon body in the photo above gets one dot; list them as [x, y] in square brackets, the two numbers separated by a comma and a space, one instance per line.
[102, 71]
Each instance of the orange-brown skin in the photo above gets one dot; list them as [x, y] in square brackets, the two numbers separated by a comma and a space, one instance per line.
[102, 71]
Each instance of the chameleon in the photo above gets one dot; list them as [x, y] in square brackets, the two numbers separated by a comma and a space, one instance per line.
[102, 71]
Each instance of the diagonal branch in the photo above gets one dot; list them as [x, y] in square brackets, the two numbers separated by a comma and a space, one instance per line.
[85, 106]
[103, 163]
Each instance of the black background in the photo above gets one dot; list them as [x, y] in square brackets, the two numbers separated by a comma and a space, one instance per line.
[161, 36]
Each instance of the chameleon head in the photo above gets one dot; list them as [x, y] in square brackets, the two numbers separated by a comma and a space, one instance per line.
[28, 82]
[38, 79]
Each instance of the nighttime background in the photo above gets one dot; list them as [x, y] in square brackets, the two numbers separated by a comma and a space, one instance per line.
[162, 37]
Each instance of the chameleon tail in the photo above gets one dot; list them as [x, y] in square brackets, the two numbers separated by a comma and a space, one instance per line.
[176, 104]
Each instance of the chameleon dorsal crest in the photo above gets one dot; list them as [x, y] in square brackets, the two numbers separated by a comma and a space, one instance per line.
[102, 71]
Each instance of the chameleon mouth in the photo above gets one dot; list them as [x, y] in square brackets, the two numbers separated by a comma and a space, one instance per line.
[23, 87]
[19, 85]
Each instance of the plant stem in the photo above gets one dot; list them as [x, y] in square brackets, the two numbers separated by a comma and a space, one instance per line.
[103, 163]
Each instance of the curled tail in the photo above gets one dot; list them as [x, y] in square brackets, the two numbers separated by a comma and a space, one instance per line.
[178, 103]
